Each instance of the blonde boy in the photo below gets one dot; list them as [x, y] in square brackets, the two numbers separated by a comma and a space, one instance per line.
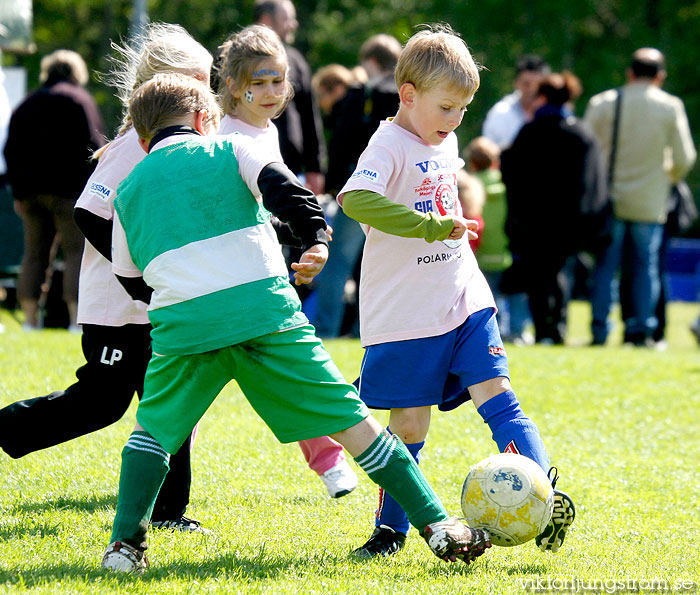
[223, 308]
[427, 316]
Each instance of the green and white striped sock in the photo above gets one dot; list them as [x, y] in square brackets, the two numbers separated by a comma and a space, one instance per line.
[389, 464]
[144, 466]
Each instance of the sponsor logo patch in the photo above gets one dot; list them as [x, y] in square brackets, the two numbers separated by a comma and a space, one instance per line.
[369, 174]
[497, 350]
[511, 448]
[103, 192]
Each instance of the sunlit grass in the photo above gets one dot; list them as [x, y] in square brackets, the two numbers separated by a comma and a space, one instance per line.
[620, 423]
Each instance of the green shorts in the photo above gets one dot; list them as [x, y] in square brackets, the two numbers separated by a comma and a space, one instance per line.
[288, 377]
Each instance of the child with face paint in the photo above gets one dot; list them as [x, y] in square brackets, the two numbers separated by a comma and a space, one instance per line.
[254, 88]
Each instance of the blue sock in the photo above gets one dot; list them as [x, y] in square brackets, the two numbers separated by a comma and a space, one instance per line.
[389, 512]
[512, 430]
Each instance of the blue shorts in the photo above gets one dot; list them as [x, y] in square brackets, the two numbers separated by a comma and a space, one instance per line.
[434, 370]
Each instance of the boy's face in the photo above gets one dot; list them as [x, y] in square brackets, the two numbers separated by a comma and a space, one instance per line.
[432, 114]
[261, 100]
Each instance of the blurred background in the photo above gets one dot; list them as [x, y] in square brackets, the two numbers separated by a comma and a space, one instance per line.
[592, 38]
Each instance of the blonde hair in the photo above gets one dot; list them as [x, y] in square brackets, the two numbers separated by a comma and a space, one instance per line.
[482, 153]
[64, 65]
[471, 194]
[434, 56]
[240, 54]
[161, 48]
[166, 99]
[329, 76]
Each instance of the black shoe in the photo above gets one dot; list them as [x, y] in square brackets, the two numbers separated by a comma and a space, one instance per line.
[383, 542]
[182, 524]
[563, 515]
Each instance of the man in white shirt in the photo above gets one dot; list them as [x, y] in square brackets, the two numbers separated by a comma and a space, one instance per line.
[505, 119]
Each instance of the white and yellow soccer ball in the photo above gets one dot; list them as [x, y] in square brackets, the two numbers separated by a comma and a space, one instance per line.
[509, 496]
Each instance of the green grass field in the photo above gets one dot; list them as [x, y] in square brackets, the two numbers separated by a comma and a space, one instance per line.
[621, 424]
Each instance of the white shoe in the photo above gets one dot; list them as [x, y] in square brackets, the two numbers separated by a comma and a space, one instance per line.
[121, 557]
[339, 480]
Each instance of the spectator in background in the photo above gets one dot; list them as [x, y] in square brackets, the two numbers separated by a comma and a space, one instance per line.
[505, 119]
[51, 137]
[7, 216]
[654, 149]
[299, 126]
[331, 84]
[483, 159]
[550, 169]
[353, 120]
[502, 124]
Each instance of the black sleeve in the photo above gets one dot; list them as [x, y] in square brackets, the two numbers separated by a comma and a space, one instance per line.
[284, 234]
[97, 231]
[287, 199]
[136, 287]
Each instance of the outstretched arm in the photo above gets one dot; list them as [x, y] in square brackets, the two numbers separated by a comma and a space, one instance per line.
[385, 215]
[285, 197]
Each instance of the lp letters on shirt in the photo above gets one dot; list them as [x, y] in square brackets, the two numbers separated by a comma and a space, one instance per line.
[115, 357]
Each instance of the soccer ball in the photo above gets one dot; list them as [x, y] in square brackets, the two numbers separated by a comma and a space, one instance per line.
[509, 496]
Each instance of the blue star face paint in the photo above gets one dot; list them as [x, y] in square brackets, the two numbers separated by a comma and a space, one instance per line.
[249, 96]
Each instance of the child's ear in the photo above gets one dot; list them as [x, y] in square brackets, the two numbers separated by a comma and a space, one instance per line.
[144, 144]
[200, 119]
[407, 94]
[235, 93]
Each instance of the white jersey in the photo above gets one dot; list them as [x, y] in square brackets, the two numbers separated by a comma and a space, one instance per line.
[409, 288]
[101, 298]
[266, 138]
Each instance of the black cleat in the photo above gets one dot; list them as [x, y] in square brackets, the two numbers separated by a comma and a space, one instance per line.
[384, 541]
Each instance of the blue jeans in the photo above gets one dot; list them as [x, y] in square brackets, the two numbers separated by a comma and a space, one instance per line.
[634, 246]
[513, 310]
[345, 249]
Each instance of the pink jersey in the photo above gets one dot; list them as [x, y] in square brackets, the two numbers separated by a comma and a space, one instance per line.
[267, 138]
[102, 300]
[409, 288]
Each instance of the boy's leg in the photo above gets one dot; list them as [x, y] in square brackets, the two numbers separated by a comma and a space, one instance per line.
[144, 466]
[391, 523]
[514, 432]
[389, 464]
[326, 457]
[296, 363]
[174, 495]
[177, 391]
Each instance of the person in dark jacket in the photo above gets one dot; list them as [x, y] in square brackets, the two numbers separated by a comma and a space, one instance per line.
[51, 138]
[300, 127]
[553, 167]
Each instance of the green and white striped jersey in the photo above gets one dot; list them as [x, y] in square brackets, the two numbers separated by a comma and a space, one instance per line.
[188, 219]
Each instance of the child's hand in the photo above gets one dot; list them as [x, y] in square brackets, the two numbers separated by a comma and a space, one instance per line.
[462, 226]
[329, 233]
[310, 264]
